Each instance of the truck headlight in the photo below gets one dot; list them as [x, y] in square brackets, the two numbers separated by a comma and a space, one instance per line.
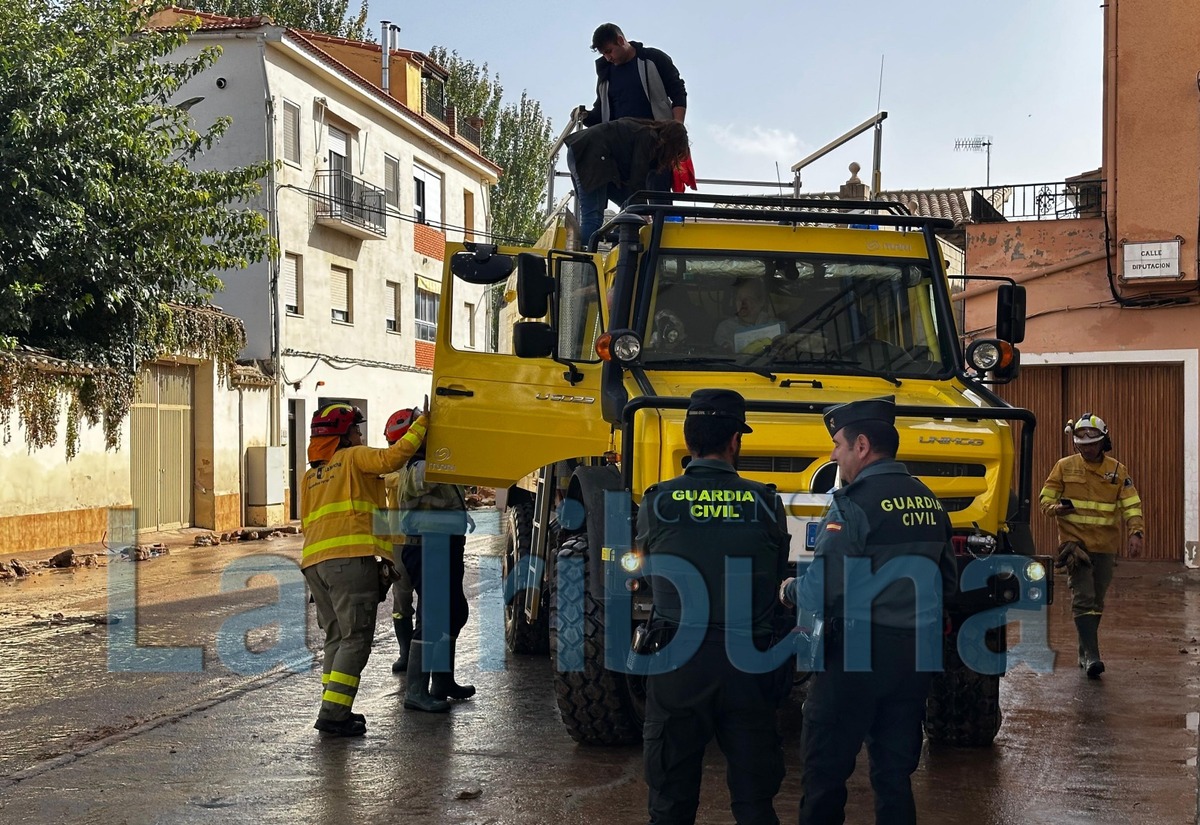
[621, 345]
[1035, 571]
[990, 354]
[631, 561]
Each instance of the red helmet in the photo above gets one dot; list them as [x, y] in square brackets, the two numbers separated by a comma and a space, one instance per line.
[398, 424]
[335, 419]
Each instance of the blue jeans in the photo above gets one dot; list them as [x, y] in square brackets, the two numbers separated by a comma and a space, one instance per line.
[593, 202]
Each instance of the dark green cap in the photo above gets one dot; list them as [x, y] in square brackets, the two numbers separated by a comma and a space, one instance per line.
[720, 404]
[868, 409]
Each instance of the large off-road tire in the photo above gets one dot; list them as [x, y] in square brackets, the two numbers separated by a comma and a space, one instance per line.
[519, 635]
[963, 708]
[598, 706]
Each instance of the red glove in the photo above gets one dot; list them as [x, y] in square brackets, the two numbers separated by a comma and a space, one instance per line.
[685, 175]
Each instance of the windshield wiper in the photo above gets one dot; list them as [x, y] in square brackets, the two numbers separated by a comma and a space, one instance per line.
[841, 365]
[708, 361]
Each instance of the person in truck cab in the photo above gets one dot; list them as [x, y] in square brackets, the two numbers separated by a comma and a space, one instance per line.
[1092, 497]
[753, 325]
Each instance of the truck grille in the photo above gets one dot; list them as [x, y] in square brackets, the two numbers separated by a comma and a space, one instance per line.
[773, 463]
[945, 469]
[954, 505]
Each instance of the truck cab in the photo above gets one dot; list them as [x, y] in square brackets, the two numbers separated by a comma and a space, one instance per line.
[796, 304]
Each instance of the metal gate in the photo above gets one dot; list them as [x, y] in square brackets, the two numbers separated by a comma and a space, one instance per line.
[1143, 407]
[160, 427]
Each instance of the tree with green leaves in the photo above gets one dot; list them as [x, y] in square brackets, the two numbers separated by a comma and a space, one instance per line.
[327, 16]
[516, 136]
[103, 225]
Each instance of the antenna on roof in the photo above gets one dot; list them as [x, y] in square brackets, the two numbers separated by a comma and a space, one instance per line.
[980, 143]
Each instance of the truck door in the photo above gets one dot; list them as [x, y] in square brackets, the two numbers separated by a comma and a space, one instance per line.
[498, 416]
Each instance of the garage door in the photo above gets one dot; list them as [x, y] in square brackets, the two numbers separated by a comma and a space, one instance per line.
[1128, 397]
[160, 425]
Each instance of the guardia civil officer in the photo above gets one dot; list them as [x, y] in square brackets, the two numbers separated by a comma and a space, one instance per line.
[880, 514]
[703, 517]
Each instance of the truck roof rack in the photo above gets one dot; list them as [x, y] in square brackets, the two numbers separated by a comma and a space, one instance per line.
[774, 209]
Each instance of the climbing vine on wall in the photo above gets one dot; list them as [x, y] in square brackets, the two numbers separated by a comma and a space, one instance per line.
[36, 385]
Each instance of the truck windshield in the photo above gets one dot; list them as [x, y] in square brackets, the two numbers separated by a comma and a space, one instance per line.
[795, 313]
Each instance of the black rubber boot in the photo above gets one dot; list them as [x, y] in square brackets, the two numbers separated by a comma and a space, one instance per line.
[443, 685]
[417, 696]
[404, 634]
[1088, 626]
[344, 727]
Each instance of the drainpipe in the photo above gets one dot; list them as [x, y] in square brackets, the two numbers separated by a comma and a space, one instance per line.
[241, 458]
[274, 437]
[1110, 112]
[385, 38]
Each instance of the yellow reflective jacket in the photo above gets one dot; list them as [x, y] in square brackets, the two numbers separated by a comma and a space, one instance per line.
[1103, 495]
[340, 500]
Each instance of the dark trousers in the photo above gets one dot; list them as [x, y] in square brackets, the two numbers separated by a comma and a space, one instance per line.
[413, 556]
[685, 708]
[883, 707]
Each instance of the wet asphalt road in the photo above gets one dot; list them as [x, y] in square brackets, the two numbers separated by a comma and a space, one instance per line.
[85, 744]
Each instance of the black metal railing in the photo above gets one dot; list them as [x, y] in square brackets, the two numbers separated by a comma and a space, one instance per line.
[469, 128]
[434, 105]
[341, 195]
[1039, 201]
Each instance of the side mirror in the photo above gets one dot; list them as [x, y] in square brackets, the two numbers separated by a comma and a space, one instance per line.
[534, 286]
[533, 339]
[1010, 313]
[481, 265]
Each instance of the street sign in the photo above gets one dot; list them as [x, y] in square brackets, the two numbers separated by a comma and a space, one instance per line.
[1159, 259]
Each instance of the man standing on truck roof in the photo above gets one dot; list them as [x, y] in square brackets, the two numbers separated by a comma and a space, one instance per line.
[883, 516]
[1090, 494]
[633, 80]
[707, 695]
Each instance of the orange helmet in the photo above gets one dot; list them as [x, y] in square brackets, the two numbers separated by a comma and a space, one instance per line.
[398, 424]
[335, 419]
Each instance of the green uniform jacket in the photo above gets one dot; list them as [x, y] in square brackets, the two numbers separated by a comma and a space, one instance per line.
[883, 515]
[705, 516]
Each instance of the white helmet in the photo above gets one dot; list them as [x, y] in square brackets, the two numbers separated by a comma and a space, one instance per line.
[1087, 421]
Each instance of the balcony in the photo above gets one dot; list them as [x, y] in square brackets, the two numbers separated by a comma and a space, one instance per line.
[350, 205]
[1039, 201]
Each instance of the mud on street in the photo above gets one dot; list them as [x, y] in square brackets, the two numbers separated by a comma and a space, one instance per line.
[84, 743]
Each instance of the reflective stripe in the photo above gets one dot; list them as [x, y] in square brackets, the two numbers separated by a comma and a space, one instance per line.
[339, 507]
[337, 698]
[1125, 502]
[1137, 511]
[414, 439]
[344, 679]
[1082, 504]
[1049, 495]
[1075, 518]
[348, 541]
[324, 678]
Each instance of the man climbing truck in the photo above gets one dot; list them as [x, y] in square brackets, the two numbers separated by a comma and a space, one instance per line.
[581, 407]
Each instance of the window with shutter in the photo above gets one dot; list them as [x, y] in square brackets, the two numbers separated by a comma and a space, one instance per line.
[291, 132]
[427, 195]
[340, 294]
[426, 314]
[391, 181]
[292, 283]
[393, 309]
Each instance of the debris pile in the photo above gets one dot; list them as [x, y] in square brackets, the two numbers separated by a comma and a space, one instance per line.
[479, 497]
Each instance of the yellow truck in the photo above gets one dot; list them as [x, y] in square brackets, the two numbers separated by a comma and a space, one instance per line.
[580, 408]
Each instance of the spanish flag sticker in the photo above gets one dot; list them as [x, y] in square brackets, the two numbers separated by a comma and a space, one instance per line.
[834, 526]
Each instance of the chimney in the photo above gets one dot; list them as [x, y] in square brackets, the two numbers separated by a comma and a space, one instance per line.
[385, 41]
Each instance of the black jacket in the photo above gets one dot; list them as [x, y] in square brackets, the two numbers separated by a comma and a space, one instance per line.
[620, 153]
[661, 82]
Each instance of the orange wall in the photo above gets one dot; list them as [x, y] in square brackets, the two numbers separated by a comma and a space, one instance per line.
[1152, 120]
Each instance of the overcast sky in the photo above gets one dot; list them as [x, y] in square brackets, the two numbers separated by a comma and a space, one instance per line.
[770, 81]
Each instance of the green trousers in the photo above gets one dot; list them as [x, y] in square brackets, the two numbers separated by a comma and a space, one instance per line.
[346, 594]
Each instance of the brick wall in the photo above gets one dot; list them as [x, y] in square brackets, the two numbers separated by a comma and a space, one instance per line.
[424, 353]
[429, 241]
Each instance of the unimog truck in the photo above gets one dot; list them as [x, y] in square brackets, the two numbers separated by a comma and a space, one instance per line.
[581, 406]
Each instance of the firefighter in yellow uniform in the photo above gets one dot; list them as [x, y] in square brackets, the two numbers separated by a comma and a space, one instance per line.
[1092, 497]
[341, 495]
